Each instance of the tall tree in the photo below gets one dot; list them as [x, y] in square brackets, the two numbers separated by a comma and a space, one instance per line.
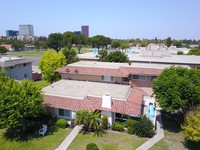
[168, 42]
[191, 126]
[98, 41]
[117, 56]
[17, 44]
[18, 101]
[115, 44]
[55, 41]
[69, 37]
[3, 50]
[177, 43]
[178, 88]
[49, 62]
[80, 41]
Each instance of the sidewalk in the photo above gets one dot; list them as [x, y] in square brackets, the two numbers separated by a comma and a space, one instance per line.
[65, 144]
[159, 134]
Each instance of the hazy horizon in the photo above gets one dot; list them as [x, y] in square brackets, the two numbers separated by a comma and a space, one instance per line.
[115, 19]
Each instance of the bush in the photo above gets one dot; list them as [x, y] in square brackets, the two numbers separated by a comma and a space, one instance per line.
[144, 127]
[130, 122]
[180, 53]
[92, 146]
[62, 123]
[104, 122]
[116, 126]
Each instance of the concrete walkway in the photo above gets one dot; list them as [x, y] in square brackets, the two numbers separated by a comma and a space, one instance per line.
[159, 134]
[65, 144]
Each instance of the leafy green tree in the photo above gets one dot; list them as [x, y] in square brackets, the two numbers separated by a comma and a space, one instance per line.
[17, 44]
[117, 56]
[70, 55]
[18, 101]
[106, 42]
[102, 55]
[177, 43]
[168, 42]
[80, 42]
[37, 44]
[49, 62]
[191, 126]
[69, 37]
[98, 41]
[178, 88]
[115, 44]
[194, 51]
[3, 50]
[124, 45]
[144, 43]
[55, 41]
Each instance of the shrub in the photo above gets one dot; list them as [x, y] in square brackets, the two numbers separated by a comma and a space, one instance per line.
[62, 123]
[130, 122]
[144, 127]
[180, 53]
[104, 122]
[92, 146]
[116, 126]
[131, 130]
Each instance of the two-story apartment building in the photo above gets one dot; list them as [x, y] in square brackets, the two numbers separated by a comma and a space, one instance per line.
[115, 89]
[16, 67]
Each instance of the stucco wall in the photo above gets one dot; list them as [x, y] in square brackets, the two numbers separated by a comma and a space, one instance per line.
[110, 116]
[18, 71]
[88, 77]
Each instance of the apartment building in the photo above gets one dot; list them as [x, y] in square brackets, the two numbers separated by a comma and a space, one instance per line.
[16, 67]
[115, 89]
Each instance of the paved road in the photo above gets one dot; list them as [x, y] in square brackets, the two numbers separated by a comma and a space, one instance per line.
[35, 59]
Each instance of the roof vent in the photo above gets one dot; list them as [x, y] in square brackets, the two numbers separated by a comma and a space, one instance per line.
[67, 70]
[106, 101]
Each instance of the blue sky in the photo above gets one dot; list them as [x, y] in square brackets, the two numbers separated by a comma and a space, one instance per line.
[113, 18]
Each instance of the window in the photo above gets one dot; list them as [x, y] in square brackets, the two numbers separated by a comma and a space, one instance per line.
[125, 79]
[139, 77]
[107, 78]
[11, 67]
[25, 75]
[25, 65]
[64, 113]
[153, 77]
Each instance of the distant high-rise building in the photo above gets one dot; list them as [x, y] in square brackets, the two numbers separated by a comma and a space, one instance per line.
[26, 30]
[77, 32]
[85, 30]
[12, 33]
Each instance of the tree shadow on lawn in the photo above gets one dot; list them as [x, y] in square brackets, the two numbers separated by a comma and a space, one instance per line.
[19, 135]
[192, 145]
[171, 122]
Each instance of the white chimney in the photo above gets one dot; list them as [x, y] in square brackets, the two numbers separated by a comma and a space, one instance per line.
[106, 101]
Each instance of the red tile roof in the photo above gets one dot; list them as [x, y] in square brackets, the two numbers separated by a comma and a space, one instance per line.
[118, 72]
[132, 106]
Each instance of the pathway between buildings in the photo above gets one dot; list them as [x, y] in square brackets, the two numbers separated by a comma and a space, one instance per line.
[65, 144]
[159, 134]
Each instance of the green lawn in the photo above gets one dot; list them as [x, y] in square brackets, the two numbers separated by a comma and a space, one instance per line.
[48, 142]
[161, 145]
[109, 141]
[174, 138]
[26, 53]
[41, 84]
[40, 53]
